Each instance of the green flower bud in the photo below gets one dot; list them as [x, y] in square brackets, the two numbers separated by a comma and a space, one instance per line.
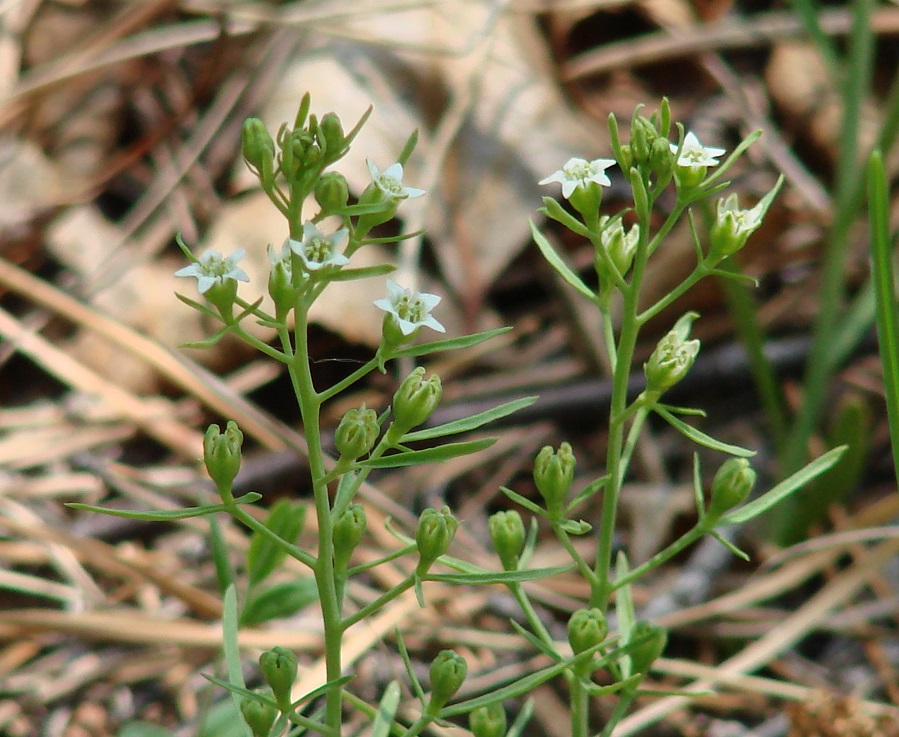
[672, 358]
[660, 157]
[553, 475]
[357, 433]
[258, 716]
[488, 721]
[384, 209]
[448, 671]
[626, 158]
[332, 191]
[618, 247]
[221, 454]
[257, 145]
[731, 486]
[280, 281]
[349, 529]
[647, 652]
[586, 628]
[433, 537]
[414, 402]
[330, 134]
[643, 135]
[279, 670]
[508, 535]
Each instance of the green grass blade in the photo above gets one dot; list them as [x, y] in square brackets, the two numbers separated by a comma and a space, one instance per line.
[885, 291]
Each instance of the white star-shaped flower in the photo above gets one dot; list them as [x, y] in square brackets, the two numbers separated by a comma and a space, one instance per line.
[318, 250]
[390, 181]
[693, 154]
[579, 173]
[213, 268]
[411, 310]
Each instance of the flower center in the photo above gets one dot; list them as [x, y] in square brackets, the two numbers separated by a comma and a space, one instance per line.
[318, 249]
[215, 265]
[580, 171]
[410, 309]
[391, 185]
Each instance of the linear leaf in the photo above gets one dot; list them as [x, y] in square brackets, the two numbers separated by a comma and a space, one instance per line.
[468, 424]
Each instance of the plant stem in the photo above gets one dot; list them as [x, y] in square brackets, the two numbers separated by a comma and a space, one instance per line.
[331, 604]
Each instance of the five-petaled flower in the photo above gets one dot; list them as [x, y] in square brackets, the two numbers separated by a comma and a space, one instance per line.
[390, 181]
[411, 310]
[213, 268]
[318, 250]
[578, 173]
[693, 154]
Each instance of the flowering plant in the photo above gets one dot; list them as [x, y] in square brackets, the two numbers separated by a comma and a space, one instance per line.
[295, 168]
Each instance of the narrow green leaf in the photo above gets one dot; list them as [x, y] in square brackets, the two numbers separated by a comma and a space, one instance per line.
[264, 555]
[451, 344]
[783, 489]
[885, 294]
[552, 209]
[490, 577]
[521, 721]
[166, 515]
[387, 707]
[576, 527]
[562, 269]
[231, 647]
[686, 411]
[361, 273]
[468, 424]
[523, 501]
[429, 455]
[223, 572]
[592, 488]
[410, 671]
[729, 545]
[536, 642]
[700, 438]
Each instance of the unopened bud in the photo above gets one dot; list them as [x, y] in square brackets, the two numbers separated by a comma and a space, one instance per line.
[488, 721]
[448, 671]
[257, 145]
[433, 537]
[732, 484]
[414, 402]
[349, 529]
[508, 535]
[331, 134]
[553, 475]
[259, 716]
[221, 454]
[357, 433]
[586, 628]
[279, 670]
[672, 358]
[332, 191]
[654, 639]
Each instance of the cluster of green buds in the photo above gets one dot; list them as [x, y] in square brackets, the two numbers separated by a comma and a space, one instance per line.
[648, 151]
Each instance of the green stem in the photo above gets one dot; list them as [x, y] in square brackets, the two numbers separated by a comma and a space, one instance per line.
[580, 712]
[698, 273]
[325, 579]
[254, 524]
[375, 605]
[582, 566]
[661, 557]
[531, 615]
[347, 382]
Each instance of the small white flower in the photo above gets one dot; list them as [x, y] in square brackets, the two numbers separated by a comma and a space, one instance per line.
[390, 181]
[318, 250]
[693, 154]
[579, 173]
[411, 310]
[213, 268]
